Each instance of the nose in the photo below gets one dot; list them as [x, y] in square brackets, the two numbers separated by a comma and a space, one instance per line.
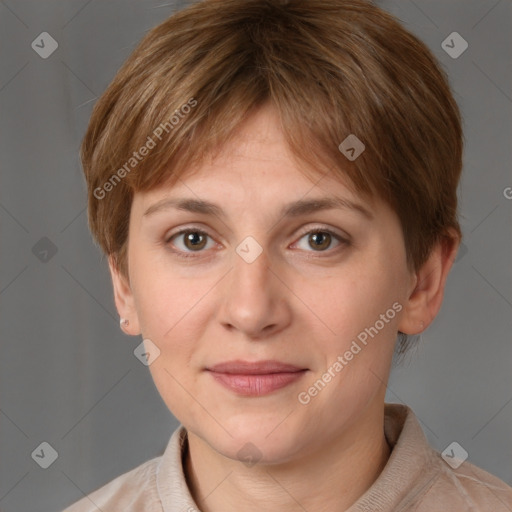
[255, 299]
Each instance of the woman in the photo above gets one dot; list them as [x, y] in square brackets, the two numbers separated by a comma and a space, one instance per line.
[274, 183]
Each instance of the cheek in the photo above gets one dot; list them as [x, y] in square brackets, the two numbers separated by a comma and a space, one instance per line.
[173, 313]
[161, 297]
[359, 312]
[156, 306]
[355, 300]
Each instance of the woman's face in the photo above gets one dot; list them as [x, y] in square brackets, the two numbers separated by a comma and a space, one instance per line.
[256, 287]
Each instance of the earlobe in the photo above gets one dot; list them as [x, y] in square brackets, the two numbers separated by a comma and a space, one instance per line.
[426, 295]
[124, 300]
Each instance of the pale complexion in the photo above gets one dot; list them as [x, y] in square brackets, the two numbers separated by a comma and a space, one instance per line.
[302, 301]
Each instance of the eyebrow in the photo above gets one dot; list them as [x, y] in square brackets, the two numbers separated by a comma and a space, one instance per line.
[294, 209]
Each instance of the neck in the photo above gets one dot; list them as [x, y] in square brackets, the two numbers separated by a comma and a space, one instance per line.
[330, 479]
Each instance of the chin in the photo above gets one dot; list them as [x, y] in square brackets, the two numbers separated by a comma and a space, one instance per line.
[257, 440]
[257, 451]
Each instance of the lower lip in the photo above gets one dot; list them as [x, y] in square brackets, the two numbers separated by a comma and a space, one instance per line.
[257, 385]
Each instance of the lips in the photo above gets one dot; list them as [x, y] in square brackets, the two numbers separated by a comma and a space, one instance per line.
[256, 368]
[255, 378]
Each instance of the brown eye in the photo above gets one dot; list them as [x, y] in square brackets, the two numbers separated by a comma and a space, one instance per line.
[188, 241]
[320, 240]
[193, 240]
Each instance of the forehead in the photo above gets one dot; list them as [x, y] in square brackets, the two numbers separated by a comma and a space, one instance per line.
[255, 166]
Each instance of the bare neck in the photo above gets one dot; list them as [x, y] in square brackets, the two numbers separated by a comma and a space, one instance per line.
[329, 479]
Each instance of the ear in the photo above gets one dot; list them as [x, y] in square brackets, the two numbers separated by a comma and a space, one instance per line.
[427, 291]
[124, 299]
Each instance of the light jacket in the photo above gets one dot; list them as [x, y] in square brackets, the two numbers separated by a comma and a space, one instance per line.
[416, 478]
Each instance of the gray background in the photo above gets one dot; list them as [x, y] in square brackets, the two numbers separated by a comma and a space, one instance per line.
[68, 375]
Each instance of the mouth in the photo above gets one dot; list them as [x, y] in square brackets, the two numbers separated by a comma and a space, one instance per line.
[255, 378]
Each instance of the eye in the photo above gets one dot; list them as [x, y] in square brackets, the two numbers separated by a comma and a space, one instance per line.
[321, 238]
[195, 240]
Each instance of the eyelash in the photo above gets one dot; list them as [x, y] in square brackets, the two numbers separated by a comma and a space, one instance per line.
[343, 241]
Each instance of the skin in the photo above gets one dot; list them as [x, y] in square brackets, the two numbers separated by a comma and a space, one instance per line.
[295, 303]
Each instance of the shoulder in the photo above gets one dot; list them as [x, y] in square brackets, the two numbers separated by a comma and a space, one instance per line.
[466, 488]
[135, 490]
[418, 478]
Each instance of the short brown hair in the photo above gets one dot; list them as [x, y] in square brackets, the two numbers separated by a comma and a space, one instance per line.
[331, 68]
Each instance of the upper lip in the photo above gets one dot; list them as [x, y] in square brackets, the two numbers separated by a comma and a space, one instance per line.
[239, 367]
